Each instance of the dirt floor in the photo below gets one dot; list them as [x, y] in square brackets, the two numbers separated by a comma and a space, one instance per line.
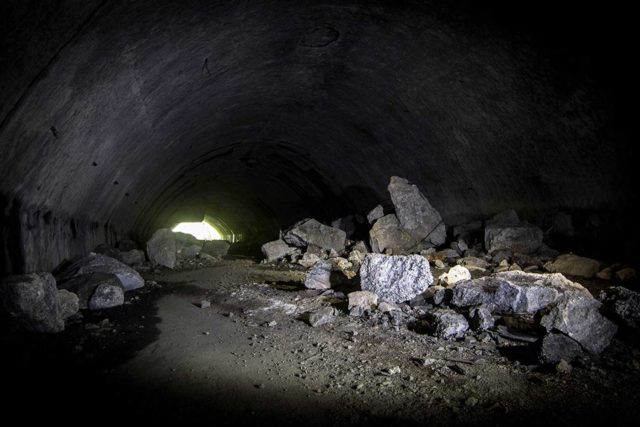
[251, 357]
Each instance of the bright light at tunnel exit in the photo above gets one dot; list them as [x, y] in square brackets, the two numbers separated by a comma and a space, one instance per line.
[200, 230]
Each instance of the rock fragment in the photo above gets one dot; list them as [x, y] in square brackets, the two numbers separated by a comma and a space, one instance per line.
[446, 323]
[96, 291]
[322, 316]
[319, 277]
[574, 265]
[454, 275]
[480, 319]
[276, 250]
[622, 304]
[98, 263]
[375, 214]
[69, 303]
[161, 248]
[311, 232]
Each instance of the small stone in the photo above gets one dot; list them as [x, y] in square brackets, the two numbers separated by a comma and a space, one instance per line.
[319, 277]
[205, 304]
[574, 265]
[439, 264]
[447, 323]
[363, 299]
[375, 214]
[454, 275]
[471, 402]
[480, 319]
[321, 316]
[563, 367]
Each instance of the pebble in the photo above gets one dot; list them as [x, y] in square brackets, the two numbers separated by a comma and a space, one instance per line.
[205, 304]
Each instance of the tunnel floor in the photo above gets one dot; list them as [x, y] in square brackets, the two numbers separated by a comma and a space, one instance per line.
[252, 357]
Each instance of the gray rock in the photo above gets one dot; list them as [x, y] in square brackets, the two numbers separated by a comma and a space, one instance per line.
[386, 234]
[133, 257]
[577, 315]
[308, 260]
[322, 316]
[524, 238]
[96, 291]
[622, 304]
[555, 347]
[319, 277]
[480, 319]
[161, 248]
[446, 323]
[415, 213]
[361, 247]
[574, 265]
[32, 301]
[188, 252]
[97, 263]
[311, 232]
[473, 263]
[69, 303]
[515, 292]
[375, 214]
[126, 245]
[216, 248]
[395, 278]
[276, 250]
[364, 299]
[454, 275]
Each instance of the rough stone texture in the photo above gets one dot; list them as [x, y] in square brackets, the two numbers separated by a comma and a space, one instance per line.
[32, 301]
[276, 250]
[308, 260]
[515, 291]
[319, 277]
[386, 234]
[446, 323]
[577, 316]
[473, 263]
[311, 232]
[188, 252]
[622, 304]
[96, 291]
[69, 303]
[216, 248]
[161, 248]
[375, 214]
[480, 319]
[524, 238]
[555, 347]
[365, 299]
[574, 265]
[322, 316]
[415, 214]
[395, 278]
[454, 275]
[132, 257]
[97, 263]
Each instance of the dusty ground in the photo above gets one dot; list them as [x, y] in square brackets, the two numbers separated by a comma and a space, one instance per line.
[251, 357]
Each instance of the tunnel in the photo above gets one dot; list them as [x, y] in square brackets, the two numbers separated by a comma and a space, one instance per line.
[121, 118]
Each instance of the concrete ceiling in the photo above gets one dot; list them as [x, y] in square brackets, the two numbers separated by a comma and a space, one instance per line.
[148, 112]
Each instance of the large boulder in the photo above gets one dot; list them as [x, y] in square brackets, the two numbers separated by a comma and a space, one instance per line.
[395, 278]
[622, 304]
[577, 315]
[311, 232]
[386, 234]
[415, 213]
[96, 291]
[574, 265]
[515, 292]
[276, 250]
[216, 248]
[98, 263]
[32, 301]
[161, 248]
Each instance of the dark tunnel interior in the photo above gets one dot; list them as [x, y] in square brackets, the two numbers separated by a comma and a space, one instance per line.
[120, 118]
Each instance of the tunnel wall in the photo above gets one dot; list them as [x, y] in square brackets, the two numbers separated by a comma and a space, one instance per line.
[135, 115]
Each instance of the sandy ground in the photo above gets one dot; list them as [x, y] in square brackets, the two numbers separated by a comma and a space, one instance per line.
[252, 358]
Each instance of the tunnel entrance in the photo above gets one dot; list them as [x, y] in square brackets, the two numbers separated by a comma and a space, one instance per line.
[200, 230]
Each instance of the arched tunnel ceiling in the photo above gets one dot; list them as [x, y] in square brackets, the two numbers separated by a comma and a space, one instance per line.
[142, 113]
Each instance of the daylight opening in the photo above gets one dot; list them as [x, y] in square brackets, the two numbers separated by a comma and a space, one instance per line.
[200, 230]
